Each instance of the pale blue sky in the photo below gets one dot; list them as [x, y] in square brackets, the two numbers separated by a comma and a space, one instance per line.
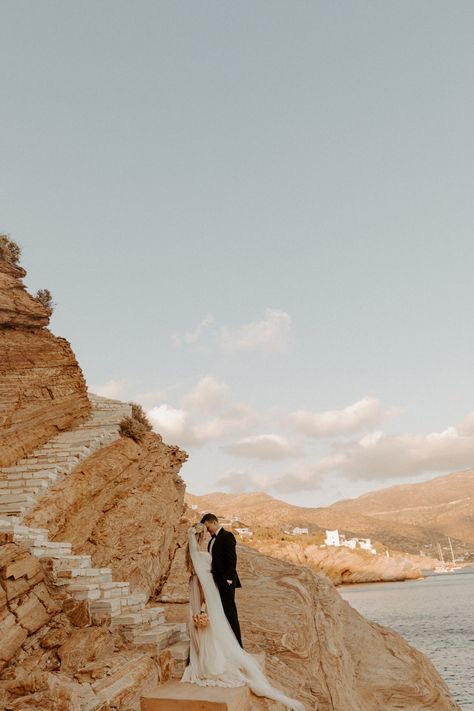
[306, 167]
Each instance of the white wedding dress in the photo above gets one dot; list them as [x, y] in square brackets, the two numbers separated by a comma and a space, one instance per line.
[216, 658]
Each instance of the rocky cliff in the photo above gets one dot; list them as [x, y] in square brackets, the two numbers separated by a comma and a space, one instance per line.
[42, 388]
[122, 507]
[74, 637]
[342, 565]
[318, 648]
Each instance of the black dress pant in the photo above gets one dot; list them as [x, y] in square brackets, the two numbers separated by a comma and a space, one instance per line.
[228, 603]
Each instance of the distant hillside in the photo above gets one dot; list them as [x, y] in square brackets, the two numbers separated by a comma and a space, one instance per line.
[408, 517]
[443, 506]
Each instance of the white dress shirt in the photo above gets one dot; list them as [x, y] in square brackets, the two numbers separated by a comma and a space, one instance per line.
[214, 540]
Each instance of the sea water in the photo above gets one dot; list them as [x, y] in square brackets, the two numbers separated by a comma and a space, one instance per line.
[435, 615]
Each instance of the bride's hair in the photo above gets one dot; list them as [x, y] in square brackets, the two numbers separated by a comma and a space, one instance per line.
[200, 533]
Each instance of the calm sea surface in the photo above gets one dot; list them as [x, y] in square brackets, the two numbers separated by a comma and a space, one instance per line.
[436, 615]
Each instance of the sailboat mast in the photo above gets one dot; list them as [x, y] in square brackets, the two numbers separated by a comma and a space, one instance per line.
[451, 546]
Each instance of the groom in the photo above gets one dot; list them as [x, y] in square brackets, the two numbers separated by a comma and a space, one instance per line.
[223, 568]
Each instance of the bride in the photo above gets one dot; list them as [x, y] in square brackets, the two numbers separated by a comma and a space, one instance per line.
[216, 658]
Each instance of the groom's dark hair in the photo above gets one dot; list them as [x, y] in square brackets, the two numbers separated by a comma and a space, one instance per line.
[209, 517]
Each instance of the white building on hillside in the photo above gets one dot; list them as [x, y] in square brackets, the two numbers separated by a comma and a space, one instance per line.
[300, 531]
[332, 538]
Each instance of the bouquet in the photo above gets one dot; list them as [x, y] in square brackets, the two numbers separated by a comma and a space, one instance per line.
[201, 620]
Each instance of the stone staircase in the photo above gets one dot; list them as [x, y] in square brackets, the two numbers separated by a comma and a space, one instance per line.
[109, 601]
[22, 485]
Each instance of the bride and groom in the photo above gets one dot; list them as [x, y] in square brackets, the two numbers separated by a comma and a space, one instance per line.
[216, 656]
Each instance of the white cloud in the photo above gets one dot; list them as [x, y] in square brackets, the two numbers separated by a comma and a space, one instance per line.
[238, 482]
[266, 446]
[362, 414]
[171, 423]
[235, 419]
[269, 334]
[112, 388]
[175, 425]
[207, 395]
[151, 397]
[192, 337]
[380, 457]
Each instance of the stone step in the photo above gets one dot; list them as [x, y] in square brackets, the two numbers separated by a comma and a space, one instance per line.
[52, 456]
[84, 591]
[16, 498]
[112, 590]
[14, 508]
[27, 468]
[121, 684]
[16, 520]
[144, 619]
[50, 549]
[32, 542]
[91, 591]
[23, 485]
[106, 607]
[175, 696]
[83, 572]
[93, 579]
[180, 655]
[22, 476]
[159, 638]
[66, 562]
[180, 651]
[11, 524]
[31, 489]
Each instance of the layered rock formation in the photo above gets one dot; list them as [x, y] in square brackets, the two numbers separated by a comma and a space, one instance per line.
[342, 565]
[42, 388]
[26, 604]
[122, 506]
[320, 650]
[52, 659]
[18, 309]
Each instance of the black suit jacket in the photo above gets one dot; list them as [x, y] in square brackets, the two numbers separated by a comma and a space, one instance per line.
[224, 559]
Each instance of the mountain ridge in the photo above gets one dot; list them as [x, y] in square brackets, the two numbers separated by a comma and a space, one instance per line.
[409, 517]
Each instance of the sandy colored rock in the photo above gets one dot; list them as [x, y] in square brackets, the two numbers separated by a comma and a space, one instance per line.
[24, 565]
[43, 593]
[165, 665]
[42, 391]
[123, 507]
[26, 603]
[176, 587]
[30, 613]
[17, 307]
[77, 612]
[12, 635]
[84, 646]
[342, 565]
[54, 638]
[328, 654]
[42, 388]
[41, 690]
[126, 685]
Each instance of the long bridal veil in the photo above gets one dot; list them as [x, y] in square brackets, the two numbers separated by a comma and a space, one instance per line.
[216, 658]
